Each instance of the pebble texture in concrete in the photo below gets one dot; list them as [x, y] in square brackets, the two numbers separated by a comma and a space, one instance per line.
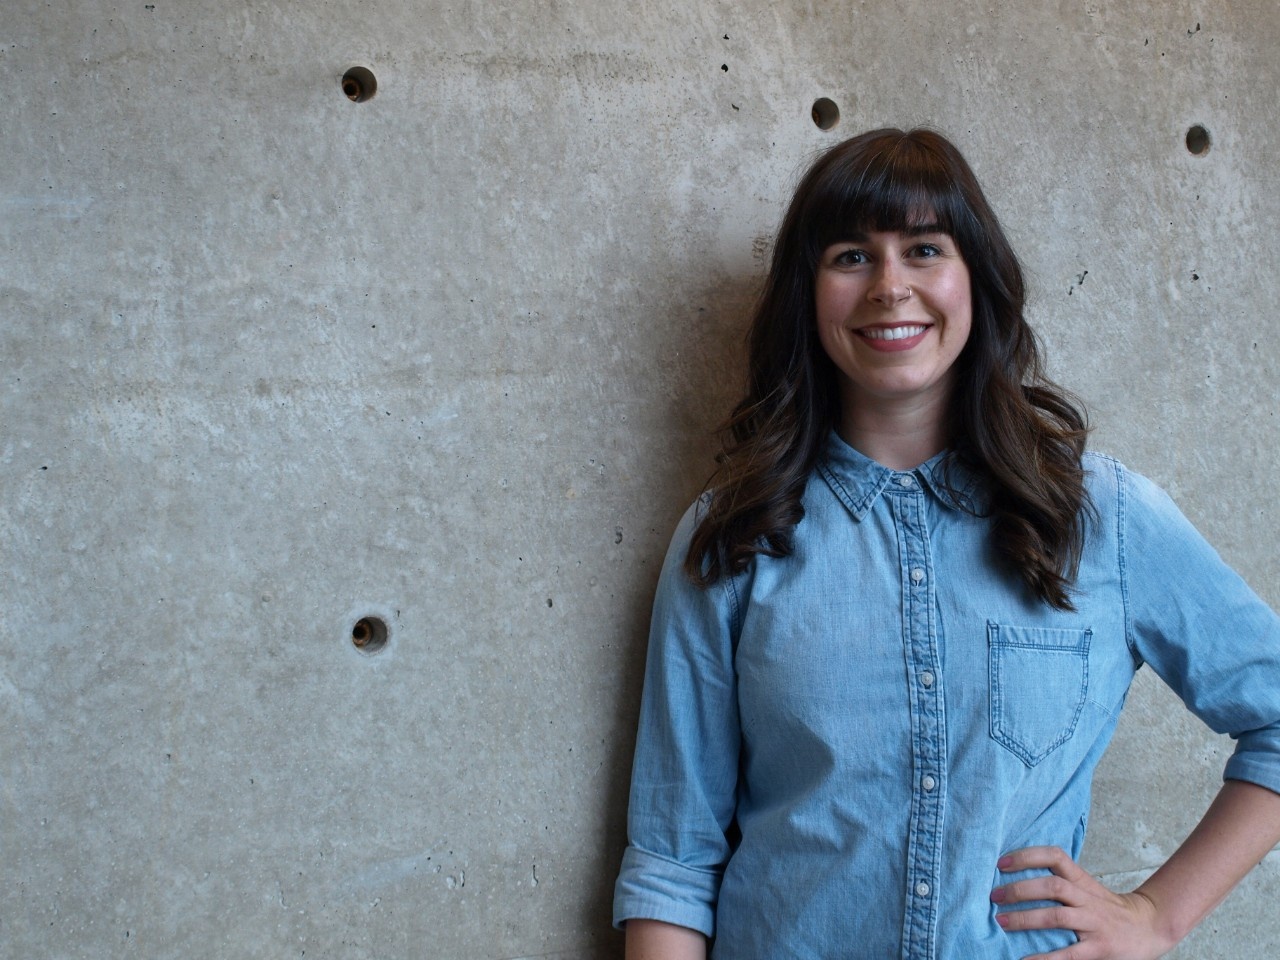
[275, 362]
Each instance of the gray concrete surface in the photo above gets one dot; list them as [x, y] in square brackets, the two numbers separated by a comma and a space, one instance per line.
[275, 361]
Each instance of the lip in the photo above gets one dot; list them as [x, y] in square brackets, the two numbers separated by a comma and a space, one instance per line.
[893, 346]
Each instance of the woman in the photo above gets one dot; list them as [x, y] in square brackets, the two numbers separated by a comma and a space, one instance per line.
[891, 643]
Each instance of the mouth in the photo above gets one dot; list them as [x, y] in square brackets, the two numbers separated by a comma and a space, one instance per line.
[896, 338]
[904, 332]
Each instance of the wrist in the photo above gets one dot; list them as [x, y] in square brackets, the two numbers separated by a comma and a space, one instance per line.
[1167, 926]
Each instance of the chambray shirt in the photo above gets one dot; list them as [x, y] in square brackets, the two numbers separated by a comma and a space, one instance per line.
[835, 747]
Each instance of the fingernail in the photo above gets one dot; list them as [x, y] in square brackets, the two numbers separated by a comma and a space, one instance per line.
[1005, 862]
[997, 895]
[1002, 920]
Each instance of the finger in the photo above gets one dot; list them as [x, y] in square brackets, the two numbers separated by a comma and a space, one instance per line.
[1077, 951]
[1042, 888]
[1037, 918]
[1041, 858]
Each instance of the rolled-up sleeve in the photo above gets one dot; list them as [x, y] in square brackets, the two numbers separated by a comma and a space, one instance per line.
[684, 778]
[1201, 628]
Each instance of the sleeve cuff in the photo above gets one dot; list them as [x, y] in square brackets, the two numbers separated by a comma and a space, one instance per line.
[1255, 765]
[652, 887]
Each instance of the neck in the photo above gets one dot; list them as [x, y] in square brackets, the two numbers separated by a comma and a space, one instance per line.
[899, 436]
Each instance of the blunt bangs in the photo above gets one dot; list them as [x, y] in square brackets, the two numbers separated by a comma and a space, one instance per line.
[892, 182]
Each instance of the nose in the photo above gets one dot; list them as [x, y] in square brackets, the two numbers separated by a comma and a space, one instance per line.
[889, 285]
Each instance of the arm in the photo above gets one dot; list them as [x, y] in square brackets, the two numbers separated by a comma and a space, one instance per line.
[685, 773]
[1237, 831]
[655, 940]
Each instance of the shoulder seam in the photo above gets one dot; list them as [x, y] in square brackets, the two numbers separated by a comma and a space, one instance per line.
[1121, 504]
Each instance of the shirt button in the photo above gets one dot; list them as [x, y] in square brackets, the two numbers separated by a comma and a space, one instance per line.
[905, 481]
[922, 889]
[928, 782]
[926, 678]
[917, 575]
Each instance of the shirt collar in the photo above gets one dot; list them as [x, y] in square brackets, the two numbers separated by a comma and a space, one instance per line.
[857, 480]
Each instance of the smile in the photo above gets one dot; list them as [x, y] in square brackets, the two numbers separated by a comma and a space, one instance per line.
[892, 333]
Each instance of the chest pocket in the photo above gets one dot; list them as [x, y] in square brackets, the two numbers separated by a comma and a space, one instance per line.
[1039, 677]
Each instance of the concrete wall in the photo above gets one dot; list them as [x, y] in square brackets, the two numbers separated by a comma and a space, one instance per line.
[275, 361]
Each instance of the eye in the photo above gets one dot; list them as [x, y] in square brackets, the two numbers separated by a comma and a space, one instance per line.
[848, 257]
[928, 250]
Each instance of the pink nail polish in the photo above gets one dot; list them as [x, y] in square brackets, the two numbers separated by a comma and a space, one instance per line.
[997, 895]
[1002, 920]
[1005, 862]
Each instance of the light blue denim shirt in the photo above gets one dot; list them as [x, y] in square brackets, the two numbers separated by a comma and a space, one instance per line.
[835, 747]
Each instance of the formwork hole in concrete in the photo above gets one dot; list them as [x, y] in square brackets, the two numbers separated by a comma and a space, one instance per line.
[825, 113]
[369, 634]
[1198, 140]
[359, 84]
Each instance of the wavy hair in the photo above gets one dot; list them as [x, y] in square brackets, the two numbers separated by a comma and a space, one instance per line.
[1020, 433]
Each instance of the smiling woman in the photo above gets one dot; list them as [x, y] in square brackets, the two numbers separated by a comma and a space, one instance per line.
[892, 640]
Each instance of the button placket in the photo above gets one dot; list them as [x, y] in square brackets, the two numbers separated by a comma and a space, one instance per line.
[928, 725]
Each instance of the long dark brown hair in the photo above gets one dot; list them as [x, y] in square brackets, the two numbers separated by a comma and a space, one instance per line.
[1020, 433]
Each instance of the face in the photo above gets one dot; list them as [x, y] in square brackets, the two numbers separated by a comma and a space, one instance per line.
[894, 311]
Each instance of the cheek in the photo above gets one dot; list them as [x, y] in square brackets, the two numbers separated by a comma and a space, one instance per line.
[822, 306]
[960, 307]
[824, 313]
[832, 299]
[827, 337]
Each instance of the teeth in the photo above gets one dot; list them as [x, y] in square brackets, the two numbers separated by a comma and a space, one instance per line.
[892, 333]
